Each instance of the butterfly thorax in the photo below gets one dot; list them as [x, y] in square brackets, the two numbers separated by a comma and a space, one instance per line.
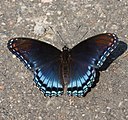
[65, 62]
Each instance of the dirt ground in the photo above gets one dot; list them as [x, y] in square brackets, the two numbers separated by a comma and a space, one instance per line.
[20, 99]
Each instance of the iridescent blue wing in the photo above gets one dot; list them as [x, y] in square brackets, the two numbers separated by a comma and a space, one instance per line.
[43, 60]
[86, 57]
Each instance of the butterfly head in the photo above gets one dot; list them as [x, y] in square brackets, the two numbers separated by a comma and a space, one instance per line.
[65, 48]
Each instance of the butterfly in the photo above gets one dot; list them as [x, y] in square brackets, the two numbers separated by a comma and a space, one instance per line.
[71, 70]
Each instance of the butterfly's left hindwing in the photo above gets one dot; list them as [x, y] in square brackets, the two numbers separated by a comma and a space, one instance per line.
[41, 58]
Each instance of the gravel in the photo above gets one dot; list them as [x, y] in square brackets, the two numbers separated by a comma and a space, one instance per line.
[20, 99]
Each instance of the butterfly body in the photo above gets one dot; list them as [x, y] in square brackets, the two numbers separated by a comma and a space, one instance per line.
[65, 64]
[73, 69]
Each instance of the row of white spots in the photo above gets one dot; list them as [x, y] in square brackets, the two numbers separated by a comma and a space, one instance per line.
[78, 83]
[18, 54]
[90, 82]
[49, 82]
[107, 52]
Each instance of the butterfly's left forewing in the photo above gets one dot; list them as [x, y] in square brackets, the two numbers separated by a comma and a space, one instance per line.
[86, 57]
[41, 58]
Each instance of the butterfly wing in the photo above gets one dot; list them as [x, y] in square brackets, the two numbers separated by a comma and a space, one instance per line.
[41, 58]
[86, 57]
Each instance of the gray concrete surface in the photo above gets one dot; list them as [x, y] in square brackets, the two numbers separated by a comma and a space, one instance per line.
[21, 100]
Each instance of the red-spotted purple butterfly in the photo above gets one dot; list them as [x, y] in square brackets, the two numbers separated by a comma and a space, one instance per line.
[73, 69]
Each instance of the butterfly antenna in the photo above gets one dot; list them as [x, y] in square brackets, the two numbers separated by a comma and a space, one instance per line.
[77, 29]
[61, 37]
[84, 35]
[58, 35]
